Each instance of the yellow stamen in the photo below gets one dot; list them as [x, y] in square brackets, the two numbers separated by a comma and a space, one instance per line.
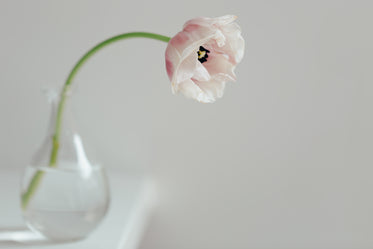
[201, 54]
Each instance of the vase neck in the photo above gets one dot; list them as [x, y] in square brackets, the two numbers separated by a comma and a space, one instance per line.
[68, 126]
[71, 151]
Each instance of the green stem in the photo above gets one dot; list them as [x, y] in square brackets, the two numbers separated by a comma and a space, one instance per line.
[36, 179]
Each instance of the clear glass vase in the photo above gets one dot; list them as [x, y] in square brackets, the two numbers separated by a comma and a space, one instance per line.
[67, 201]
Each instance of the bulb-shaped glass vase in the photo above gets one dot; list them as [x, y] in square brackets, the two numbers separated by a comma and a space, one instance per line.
[66, 201]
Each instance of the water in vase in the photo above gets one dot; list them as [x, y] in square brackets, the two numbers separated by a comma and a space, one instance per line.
[69, 202]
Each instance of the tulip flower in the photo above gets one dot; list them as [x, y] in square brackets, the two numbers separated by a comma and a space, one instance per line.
[202, 57]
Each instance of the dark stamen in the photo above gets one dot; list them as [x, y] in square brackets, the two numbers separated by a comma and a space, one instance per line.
[203, 49]
[202, 54]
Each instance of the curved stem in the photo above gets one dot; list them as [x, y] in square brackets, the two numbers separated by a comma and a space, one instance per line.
[35, 181]
[78, 65]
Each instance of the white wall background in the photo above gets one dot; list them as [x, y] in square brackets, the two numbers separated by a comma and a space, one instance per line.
[284, 160]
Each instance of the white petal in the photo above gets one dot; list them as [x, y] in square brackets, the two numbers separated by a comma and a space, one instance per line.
[190, 68]
[235, 44]
[220, 38]
[205, 21]
[201, 72]
[185, 70]
[190, 90]
[224, 20]
[213, 89]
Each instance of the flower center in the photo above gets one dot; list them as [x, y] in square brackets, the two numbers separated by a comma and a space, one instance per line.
[202, 54]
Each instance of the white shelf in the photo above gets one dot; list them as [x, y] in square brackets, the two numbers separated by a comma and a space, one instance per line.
[132, 197]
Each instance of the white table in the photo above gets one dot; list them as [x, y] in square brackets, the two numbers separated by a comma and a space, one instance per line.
[132, 198]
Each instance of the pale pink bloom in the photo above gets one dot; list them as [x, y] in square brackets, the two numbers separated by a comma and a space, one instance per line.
[201, 58]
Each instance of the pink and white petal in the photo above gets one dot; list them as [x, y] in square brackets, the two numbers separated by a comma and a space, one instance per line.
[190, 90]
[204, 82]
[172, 57]
[189, 40]
[200, 21]
[201, 36]
[182, 53]
[219, 67]
[213, 89]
